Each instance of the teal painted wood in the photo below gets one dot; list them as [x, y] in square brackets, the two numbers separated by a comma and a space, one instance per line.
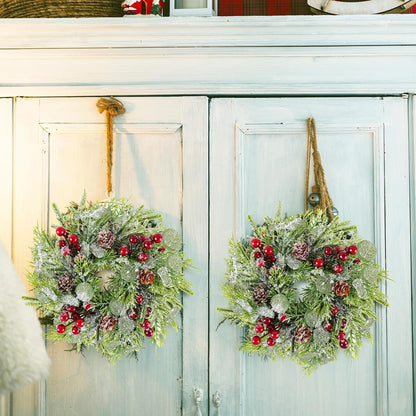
[257, 158]
[159, 145]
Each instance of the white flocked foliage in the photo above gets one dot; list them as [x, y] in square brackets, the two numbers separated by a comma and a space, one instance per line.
[23, 357]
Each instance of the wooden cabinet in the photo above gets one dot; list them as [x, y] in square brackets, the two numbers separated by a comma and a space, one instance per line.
[215, 129]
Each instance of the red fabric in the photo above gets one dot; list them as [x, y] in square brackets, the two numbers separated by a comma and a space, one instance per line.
[269, 7]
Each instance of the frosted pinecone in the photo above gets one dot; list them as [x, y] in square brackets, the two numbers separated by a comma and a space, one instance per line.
[301, 251]
[108, 323]
[146, 277]
[341, 288]
[105, 239]
[260, 295]
[65, 283]
[303, 335]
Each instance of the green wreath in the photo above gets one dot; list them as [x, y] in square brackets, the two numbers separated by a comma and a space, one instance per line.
[303, 287]
[109, 278]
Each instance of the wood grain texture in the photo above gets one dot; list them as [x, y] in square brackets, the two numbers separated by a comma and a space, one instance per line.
[64, 140]
[267, 139]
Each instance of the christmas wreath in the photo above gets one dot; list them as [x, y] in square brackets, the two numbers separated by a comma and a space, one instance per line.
[303, 287]
[109, 277]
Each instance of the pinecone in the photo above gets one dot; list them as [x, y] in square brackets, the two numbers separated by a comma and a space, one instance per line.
[301, 251]
[303, 335]
[65, 283]
[106, 239]
[146, 277]
[260, 295]
[108, 323]
[341, 288]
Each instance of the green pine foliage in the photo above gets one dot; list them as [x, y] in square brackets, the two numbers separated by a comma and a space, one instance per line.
[286, 289]
[77, 284]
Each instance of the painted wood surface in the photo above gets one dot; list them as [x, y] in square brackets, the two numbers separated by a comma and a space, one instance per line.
[257, 159]
[160, 160]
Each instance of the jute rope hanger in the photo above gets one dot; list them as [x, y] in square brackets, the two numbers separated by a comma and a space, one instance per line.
[320, 186]
[113, 108]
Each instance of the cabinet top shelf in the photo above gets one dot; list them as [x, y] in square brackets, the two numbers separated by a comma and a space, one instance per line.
[154, 32]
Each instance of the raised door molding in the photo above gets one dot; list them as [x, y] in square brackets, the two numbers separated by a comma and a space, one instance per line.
[294, 55]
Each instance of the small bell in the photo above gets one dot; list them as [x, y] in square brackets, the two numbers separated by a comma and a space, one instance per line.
[314, 199]
[334, 212]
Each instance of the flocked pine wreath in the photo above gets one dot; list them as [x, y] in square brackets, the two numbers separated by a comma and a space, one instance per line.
[303, 287]
[109, 277]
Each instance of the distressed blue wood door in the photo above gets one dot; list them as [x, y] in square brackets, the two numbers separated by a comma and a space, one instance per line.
[257, 158]
[160, 160]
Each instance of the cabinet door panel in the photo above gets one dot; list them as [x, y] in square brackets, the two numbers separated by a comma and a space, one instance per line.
[160, 157]
[258, 151]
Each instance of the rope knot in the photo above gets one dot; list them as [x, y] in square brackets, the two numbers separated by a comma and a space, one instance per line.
[111, 105]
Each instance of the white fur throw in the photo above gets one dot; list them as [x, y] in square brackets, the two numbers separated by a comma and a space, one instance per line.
[23, 357]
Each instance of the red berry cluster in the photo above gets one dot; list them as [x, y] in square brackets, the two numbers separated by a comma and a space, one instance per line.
[264, 255]
[266, 327]
[335, 257]
[69, 243]
[73, 316]
[142, 246]
[146, 324]
[341, 336]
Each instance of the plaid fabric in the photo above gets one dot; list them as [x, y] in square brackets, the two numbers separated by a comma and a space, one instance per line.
[268, 7]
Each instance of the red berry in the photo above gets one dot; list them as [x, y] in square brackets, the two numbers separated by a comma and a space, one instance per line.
[255, 242]
[275, 334]
[328, 326]
[270, 328]
[64, 316]
[133, 314]
[66, 251]
[268, 251]
[80, 323]
[142, 257]
[162, 249]
[62, 243]
[157, 238]
[255, 340]
[337, 268]
[73, 239]
[328, 251]
[334, 310]
[133, 239]
[343, 323]
[341, 335]
[261, 263]
[60, 329]
[353, 250]
[139, 299]
[282, 317]
[123, 251]
[75, 330]
[256, 254]
[64, 309]
[60, 231]
[66, 234]
[343, 343]
[148, 244]
[147, 324]
[266, 320]
[77, 246]
[87, 306]
[148, 312]
[149, 332]
[319, 262]
[258, 329]
[270, 342]
[338, 249]
[75, 316]
[143, 237]
[71, 308]
[356, 261]
[343, 255]
[272, 258]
